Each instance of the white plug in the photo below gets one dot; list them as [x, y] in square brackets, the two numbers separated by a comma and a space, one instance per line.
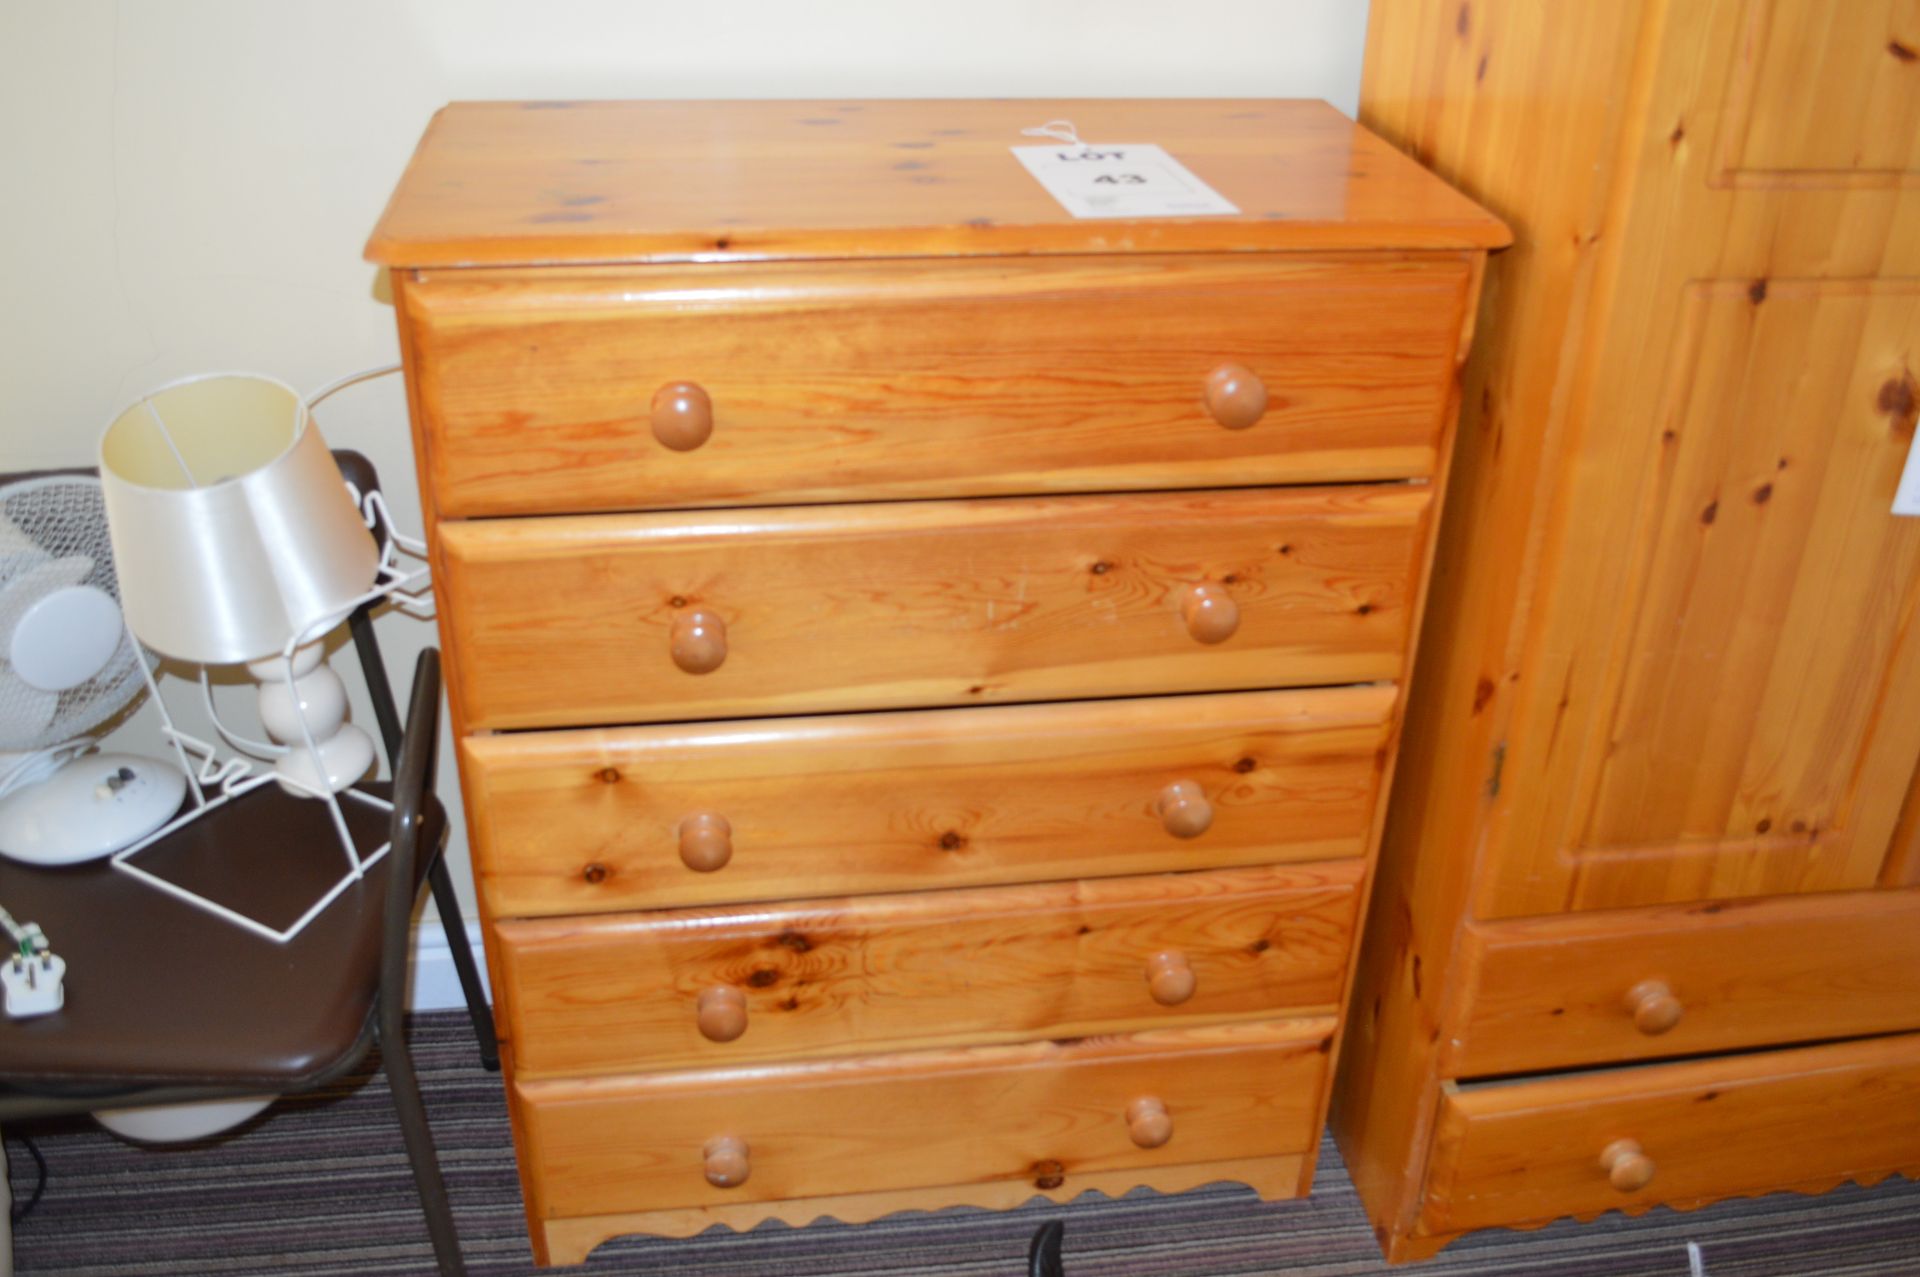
[34, 985]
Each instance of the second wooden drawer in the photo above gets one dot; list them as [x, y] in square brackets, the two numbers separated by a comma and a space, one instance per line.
[627, 618]
[707, 987]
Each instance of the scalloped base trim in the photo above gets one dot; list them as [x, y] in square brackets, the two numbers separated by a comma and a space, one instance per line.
[569, 1241]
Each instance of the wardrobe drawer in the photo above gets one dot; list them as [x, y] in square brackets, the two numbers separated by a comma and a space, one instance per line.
[619, 618]
[1547, 993]
[1678, 1134]
[1042, 1113]
[911, 379]
[708, 987]
[645, 817]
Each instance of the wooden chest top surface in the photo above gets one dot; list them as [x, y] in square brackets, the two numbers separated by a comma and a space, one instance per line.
[542, 183]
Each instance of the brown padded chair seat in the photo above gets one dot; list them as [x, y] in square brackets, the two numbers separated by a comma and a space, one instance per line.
[209, 1001]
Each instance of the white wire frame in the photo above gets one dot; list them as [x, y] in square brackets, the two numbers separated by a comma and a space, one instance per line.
[214, 782]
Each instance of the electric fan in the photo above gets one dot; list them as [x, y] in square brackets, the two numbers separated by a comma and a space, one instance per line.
[67, 667]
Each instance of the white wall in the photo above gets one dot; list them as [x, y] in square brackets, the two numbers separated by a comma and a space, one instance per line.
[185, 185]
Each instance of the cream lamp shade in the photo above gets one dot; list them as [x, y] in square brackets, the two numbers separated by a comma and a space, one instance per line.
[232, 528]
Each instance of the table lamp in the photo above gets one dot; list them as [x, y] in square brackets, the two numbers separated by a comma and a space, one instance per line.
[238, 541]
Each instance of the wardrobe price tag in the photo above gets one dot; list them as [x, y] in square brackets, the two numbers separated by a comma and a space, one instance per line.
[1121, 179]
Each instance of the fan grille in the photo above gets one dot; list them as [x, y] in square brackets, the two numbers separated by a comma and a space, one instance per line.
[48, 519]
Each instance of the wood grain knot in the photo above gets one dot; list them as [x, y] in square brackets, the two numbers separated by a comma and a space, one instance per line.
[763, 977]
[608, 775]
[952, 841]
[795, 941]
[1244, 765]
[1897, 398]
[1049, 1174]
[595, 873]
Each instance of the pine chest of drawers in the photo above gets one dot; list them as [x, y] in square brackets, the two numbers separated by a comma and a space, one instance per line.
[925, 667]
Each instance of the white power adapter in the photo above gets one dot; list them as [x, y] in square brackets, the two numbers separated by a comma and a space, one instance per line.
[33, 977]
[34, 985]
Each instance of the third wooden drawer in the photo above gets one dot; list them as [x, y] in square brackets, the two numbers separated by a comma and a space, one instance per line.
[627, 618]
[1554, 992]
[627, 818]
[712, 987]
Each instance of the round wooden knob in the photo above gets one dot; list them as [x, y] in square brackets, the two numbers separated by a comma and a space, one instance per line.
[699, 642]
[721, 1014]
[1235, 396]
[1211, 614]
[1653, 1007]
[682, 416]
[1184, 809]
[706, 842]
[727, 1165]
[1170, 978]
[1627, 1165]
[1148, 1122]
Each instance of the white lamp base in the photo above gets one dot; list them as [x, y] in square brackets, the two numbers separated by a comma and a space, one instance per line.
[319, 697]
[345, 757]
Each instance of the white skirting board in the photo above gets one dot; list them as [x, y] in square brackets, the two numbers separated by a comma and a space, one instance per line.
[436, 986]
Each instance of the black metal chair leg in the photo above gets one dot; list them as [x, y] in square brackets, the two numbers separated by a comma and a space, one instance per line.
[477, 1009]
[405, 1086]
[1043, 1256]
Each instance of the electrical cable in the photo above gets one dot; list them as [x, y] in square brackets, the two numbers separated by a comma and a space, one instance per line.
[352, 378]
[37, 765]
[15, 1212]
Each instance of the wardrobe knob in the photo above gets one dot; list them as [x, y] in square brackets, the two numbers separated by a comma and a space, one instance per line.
[727, 1165]
[682, 416]
[1211, 614]
[706, 842]
[1627, 1165]
[1184, 809]
[1170, 978]
[721, 1013]
[1235, 396]
[1148, 1122]
[699, 642]
[1653, 1007]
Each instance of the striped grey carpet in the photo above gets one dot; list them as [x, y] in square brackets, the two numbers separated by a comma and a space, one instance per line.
[320, 1186]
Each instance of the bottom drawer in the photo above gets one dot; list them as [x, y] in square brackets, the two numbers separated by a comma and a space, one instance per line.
[1041, 1112]
[1674, 1134]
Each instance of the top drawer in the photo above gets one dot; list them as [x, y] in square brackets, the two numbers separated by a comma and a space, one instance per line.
[535, 389]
